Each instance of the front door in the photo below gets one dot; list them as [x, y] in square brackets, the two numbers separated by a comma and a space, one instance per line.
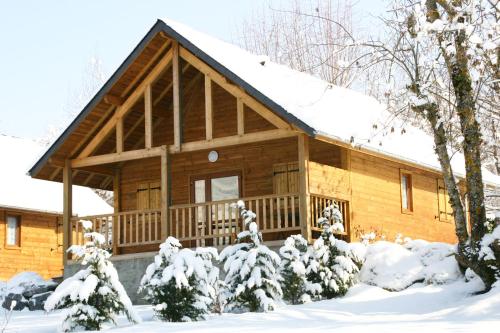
[213, 218]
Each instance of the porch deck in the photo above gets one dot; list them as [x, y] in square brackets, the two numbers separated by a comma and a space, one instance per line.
[213, 223]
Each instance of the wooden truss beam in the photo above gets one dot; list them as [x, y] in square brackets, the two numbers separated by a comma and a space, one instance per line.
[116, 157]
[208, 108]
[126, 106]
[233, 89]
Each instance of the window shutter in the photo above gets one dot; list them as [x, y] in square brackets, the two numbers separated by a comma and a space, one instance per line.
[280, 178]
[143, 196]
[154, 196]
[293, 177]
[445, 211]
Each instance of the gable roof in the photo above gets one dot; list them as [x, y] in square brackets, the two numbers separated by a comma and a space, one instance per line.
[18, 190]
[312, 105]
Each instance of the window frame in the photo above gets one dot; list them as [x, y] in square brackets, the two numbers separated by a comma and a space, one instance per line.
[409, 191]
[208, 184]
[18, 231]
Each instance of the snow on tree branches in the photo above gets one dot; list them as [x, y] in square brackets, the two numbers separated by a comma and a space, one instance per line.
[180, 283]
[336, 271]
[94, 295]
[251, 281]
[296, 257]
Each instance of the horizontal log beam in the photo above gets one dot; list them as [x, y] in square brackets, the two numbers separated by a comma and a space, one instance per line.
[117, 157]
[234, 140]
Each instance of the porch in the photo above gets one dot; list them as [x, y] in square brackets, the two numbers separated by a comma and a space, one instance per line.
[213, 223]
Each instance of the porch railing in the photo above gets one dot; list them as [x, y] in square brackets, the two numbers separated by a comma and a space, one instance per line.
[206, 224]
[318, 205]
[217, 223]
[131, 228]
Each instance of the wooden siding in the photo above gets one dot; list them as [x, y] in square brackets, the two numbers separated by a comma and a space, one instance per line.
[40, 247]
[255, 161]
[376, 201]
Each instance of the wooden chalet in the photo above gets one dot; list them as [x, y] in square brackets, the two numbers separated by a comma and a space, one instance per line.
[188, 124]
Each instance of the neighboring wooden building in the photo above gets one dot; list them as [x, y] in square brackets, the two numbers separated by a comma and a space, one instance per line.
[188, 124]
[31, 235]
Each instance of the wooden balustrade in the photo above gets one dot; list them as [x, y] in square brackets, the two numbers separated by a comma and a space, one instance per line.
[140, 227]
[318, 205]
[213, 223]
[217, 223]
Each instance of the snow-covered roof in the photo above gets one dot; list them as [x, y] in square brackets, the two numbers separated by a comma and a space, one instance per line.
[19, 190]
[339, 113]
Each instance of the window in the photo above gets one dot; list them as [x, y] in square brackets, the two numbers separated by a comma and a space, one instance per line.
[148, 196]
[216, 187]
[445, 212]
[286, 178]
[406, 192]
[12, 234]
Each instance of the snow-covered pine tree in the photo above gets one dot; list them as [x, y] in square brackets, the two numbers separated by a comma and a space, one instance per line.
[336, 271]
[180, 283]
[252, 276]
[293, 270]
[94, 295]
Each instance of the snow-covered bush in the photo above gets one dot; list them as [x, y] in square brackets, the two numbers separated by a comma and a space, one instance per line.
[252, 276]
[180, 283]
[395, 267]
[336, 270]
[94, 295]
[293, 270]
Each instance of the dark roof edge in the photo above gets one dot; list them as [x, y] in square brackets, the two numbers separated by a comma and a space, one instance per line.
[158, 27]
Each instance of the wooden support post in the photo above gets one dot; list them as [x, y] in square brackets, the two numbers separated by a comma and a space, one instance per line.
[117, 208]
[119, 135]
[304, 196]
[165, 200]
[208, 108]
[176, 96]
[240, 116]
[148, 117]
[67, 208]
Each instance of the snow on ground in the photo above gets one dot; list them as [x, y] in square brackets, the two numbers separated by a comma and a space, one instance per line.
[449, 308]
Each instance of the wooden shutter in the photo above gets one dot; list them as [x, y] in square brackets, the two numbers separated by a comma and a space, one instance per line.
[154, 195]
[280, 178]
[445, 211]
[293, 177]
[143, 196]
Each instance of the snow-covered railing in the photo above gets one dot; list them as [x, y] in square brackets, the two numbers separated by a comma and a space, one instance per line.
[318, 205]
[131, 228]
[217, 223]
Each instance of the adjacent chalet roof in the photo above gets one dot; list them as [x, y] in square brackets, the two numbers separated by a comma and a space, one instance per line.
[308, 103]
[19, 190]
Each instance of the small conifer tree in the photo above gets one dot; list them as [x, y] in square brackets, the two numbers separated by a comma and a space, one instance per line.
[94, 295]
[251, 282]
[293, 270]
[180, 282]
[335, 269]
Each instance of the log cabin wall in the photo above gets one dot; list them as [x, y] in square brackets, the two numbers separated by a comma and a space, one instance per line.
[376, 201]
[40, 246]
[255, 162]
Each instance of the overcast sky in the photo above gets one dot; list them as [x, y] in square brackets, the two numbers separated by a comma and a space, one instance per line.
[46, 46]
